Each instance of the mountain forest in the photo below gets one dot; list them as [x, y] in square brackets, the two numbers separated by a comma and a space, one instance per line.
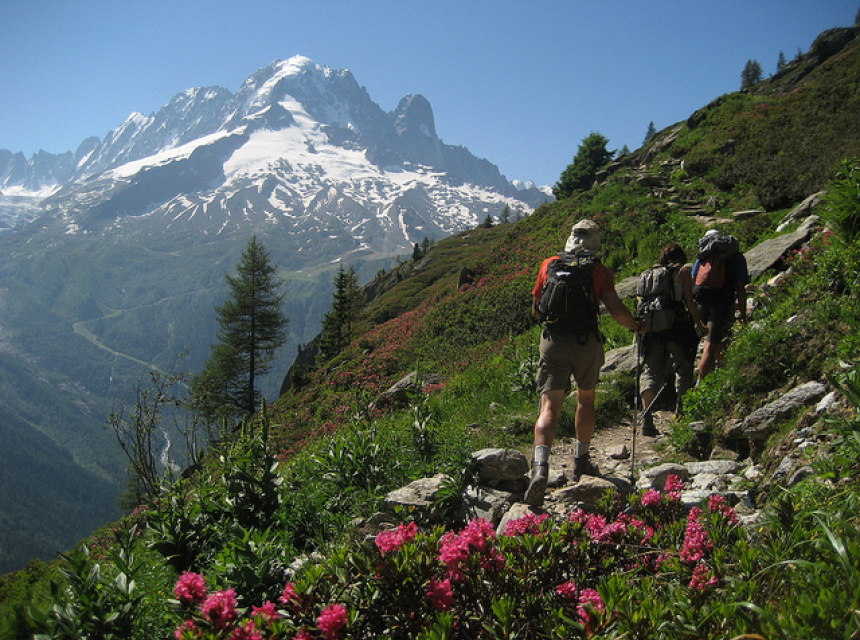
[285, 525]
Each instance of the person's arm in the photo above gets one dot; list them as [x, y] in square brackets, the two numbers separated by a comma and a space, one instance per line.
[687, 286]
[535, 303]
[620, 313]
[743, 278]
[741, 295]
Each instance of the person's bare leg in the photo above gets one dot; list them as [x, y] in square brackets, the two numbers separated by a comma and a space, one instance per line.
[585, 421]
[546, 427]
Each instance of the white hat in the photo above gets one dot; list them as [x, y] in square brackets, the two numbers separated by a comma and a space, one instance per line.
[585, 236]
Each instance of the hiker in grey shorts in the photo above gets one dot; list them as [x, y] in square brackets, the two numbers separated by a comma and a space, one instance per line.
[672, 351]
[578, 353]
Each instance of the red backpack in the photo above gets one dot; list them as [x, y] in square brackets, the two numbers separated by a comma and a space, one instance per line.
[711, 278]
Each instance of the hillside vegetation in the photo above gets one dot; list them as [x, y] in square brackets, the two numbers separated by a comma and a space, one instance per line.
[269, 538]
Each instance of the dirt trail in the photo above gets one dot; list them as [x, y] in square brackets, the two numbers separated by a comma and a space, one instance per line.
[606, 443]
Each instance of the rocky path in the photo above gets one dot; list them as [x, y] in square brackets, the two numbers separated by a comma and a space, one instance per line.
[612, 449]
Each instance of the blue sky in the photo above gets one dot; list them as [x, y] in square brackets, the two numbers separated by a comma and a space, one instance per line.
[519, 83]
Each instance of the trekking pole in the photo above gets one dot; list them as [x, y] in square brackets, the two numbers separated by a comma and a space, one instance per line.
[636, 406]
[647, 410]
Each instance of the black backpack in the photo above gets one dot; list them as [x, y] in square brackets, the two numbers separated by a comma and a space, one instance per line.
[568, 302]
[657, 305]
[713, 279]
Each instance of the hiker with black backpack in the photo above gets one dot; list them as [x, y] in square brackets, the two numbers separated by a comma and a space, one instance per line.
[672, 330]
[720, 277]
[569, 289]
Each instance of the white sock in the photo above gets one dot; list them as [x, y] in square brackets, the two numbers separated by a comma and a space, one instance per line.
[541, 454]
[581, 448]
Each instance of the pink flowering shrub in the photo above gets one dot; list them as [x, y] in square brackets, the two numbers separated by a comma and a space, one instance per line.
[190, 588]
[391, 540]
[543, 575]
[332, 621]
[219, 608]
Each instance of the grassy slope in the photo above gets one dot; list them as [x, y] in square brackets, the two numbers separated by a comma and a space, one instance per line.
[479, 337]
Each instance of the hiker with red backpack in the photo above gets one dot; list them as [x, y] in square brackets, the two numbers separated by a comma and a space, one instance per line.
[569, 289]
[720, 277]
[673, 329]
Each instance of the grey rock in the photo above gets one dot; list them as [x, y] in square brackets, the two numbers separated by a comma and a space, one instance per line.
[418, 493]
[765, 255]
[499, 465]
[718, 467]
[759, 424]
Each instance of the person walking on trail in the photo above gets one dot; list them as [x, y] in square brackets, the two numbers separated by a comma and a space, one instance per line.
[676, 343]
[720, 277]
[566, 298]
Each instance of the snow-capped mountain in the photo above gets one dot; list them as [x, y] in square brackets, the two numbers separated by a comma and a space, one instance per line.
[300, 145]
[114, 255]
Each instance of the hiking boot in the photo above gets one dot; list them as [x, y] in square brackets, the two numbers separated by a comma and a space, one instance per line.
[537, 487]
[648, 428]
[583, 466]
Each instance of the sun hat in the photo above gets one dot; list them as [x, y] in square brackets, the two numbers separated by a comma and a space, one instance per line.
[585, 236]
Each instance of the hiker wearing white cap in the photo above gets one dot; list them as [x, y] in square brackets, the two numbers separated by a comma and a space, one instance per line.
[566, 297]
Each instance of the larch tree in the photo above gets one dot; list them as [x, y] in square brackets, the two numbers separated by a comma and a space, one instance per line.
[252, 327]
[338, 327]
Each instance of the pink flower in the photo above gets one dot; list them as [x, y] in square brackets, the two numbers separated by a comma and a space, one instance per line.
[289, 594]
[567, 590]
[303, 635]
[187, 631]
[529, 523]
[589, 600]
[696, 542]
[190, 588]
[702, 578]
[595, 524]
[651, 498]
[673, 483]
[455, 549]
[717, 504]
[246, 632]
[220, 608]
[332, 620]
[578, 516]
[440, 594]
[266, 612]
[393, 539]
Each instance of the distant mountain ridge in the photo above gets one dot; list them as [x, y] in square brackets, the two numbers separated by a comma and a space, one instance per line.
[115, 254]
[328, 105]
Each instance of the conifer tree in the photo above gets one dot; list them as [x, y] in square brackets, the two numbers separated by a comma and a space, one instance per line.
[252, 327]
[650, 133]
[751, 74]
[579, 175]
[338, 327]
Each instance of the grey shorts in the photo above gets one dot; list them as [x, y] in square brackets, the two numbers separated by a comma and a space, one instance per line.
[562, 355]
[661, 358]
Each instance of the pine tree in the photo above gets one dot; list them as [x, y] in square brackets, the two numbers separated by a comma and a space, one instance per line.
[252, 327]
[650, 133]
[338, 327]
[579, 175]
[781, 62]
[751, 74]
[506, 214]
[487, 223]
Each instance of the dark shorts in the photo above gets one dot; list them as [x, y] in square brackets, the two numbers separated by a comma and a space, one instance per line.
[566, 355]
[719, 315]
